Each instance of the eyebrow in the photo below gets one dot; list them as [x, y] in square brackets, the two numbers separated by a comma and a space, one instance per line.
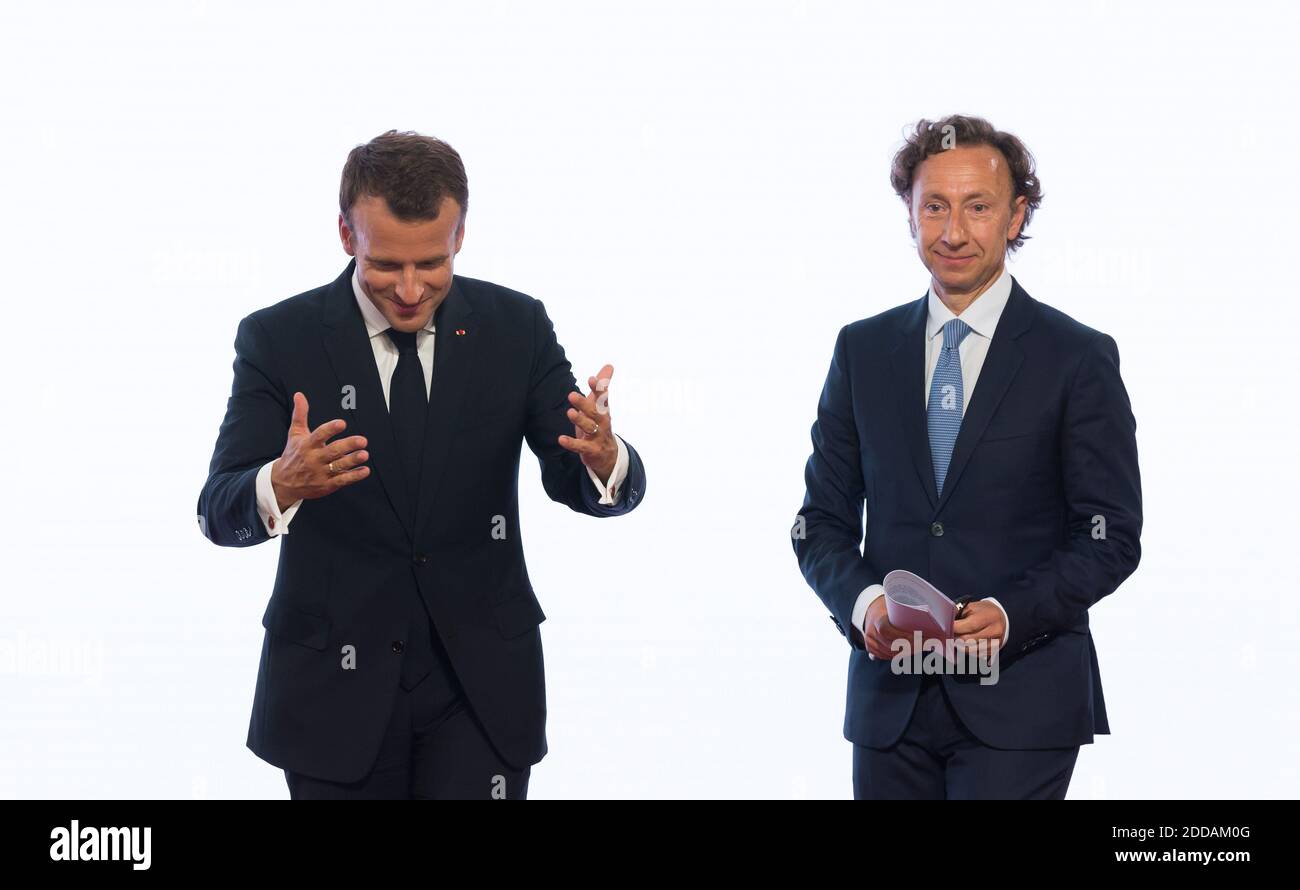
[982, 196]
[385, 261]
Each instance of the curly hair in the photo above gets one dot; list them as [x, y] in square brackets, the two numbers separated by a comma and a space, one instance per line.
[931, 137]
[413, 173]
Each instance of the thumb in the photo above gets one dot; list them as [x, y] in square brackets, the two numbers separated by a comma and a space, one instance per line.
[298, 423]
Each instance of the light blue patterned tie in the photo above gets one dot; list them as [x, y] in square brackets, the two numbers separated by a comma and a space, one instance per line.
[943, 411]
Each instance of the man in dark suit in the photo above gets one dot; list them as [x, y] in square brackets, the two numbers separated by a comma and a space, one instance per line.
[402, 654]
[1020, 495]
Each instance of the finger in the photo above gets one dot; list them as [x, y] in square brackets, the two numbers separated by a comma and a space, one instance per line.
[878, 648]
[972, 623]
[585, 404]
[886, 650]
[981, 647]
[346, 462]
[600, 388]
[584, 417]
[889, 633]
[600, 382]
[298, 422]
[327, 431]
[340, 480]
[585, 423]
[883, 632]
[340, 447]
[579, 446]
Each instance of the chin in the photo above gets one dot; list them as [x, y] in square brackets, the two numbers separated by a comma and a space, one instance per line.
[408, 324]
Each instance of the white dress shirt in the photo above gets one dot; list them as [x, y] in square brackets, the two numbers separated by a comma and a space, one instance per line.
[386, 355]
[982, 316]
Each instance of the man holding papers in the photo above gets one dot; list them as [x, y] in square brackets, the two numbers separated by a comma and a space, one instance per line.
[990, 441]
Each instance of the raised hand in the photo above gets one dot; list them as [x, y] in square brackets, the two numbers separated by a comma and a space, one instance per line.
[593, 438]
[312, 466]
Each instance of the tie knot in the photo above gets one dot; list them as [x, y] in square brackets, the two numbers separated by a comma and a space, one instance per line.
[954, 332]
[403, 340]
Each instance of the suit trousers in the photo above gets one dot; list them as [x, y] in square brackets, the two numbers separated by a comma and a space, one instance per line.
[938, 758]
[434, 748]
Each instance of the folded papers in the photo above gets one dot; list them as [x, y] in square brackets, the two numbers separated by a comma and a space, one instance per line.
[913, 604]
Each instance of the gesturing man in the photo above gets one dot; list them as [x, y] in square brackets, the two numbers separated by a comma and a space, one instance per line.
[375, 426]
[990, 441]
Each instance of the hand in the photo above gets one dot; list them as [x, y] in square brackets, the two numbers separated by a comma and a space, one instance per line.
[881, 634]
[980, 621]
[303, 470]
[593, 438]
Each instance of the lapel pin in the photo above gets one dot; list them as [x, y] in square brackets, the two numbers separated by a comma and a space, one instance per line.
[460, 332]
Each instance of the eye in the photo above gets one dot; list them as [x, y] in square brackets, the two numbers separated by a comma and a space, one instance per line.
[980, 208]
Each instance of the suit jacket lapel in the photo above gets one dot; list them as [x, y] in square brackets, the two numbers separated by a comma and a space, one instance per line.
[1001, 364]
[348, 345]
[908, 363]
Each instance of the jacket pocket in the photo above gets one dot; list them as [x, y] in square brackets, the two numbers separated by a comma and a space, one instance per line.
[518, 615]
[1002, 431]
[295, 625]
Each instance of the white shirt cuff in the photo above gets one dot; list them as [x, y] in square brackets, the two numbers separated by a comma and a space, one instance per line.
[268, 507]
[609, 490]
[860, 607]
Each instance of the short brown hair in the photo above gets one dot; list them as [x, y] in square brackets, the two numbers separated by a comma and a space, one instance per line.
[413, 173]
[931, 137]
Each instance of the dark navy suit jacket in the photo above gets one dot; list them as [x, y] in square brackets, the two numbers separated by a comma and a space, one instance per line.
[352, 564]
[1046, 445]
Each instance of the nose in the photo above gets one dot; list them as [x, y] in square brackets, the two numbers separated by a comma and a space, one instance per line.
[954, 234]
[410, 290]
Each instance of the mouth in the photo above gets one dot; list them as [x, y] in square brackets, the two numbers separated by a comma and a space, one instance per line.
[405, 310]
[955, 260]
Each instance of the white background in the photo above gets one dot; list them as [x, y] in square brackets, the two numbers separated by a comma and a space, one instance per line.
[699, 193]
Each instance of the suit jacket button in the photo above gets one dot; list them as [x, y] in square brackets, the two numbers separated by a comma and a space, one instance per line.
[420, 559]
[398, 646]
[936, 529]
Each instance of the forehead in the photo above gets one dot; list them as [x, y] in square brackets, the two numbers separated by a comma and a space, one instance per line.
[383, 232]
[963, 170]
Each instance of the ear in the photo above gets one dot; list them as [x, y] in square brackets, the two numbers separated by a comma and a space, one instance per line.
[345, 235]
[1017, 217]
[460, 236]
[911, 221]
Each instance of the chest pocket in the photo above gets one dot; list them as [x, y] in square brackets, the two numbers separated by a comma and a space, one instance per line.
[1008, 453]
[997, 432]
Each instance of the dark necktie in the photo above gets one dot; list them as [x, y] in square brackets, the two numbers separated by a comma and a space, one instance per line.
[408, 406]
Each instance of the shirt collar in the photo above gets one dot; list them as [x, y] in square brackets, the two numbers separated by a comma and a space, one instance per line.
[982, 315]
[375, 322]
